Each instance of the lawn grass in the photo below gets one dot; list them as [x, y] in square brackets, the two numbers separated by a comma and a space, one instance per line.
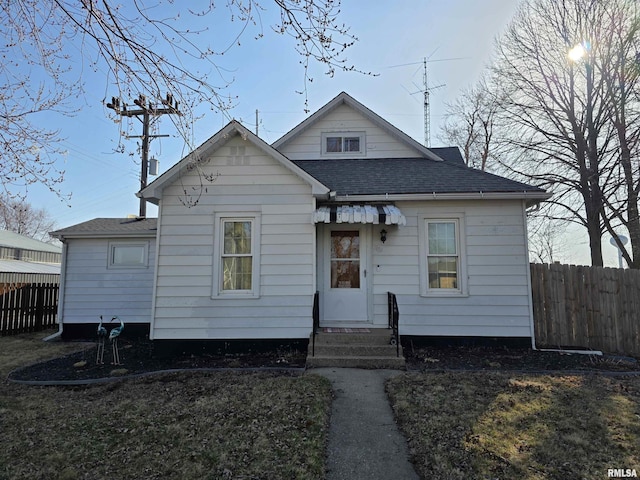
[183, 426]
[20, 350]
[501, 426]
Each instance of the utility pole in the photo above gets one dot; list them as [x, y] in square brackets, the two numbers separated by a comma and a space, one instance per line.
[146, 110]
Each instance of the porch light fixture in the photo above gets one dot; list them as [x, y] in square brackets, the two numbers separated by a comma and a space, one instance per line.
[383, 235]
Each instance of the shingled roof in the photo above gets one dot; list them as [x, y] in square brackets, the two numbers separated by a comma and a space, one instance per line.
[111, 227]
[449, 154]
[406, 176]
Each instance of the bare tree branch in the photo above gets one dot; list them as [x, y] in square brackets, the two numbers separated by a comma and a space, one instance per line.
[146, 48]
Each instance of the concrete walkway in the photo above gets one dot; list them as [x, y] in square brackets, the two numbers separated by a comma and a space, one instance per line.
[364, 441]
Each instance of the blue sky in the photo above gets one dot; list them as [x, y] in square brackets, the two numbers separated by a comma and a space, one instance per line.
[267, 74]
[394, 37]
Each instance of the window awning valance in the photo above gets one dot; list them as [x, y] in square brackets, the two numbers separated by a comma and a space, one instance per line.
[376, 214]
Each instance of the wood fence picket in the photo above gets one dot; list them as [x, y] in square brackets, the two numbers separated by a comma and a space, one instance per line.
[28, 307]
[587, 307]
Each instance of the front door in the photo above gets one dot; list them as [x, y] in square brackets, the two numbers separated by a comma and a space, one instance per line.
[345, 275]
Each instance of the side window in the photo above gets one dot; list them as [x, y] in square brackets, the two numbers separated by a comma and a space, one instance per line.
[128, 255]
[236, 266]
[442, 256]
[237, 257]
[443, 261]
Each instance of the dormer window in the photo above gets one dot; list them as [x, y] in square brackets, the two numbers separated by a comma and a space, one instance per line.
[343, 143]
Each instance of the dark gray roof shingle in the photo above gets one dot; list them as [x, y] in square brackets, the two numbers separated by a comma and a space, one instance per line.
[449, 154]
[406, 176]
[111, 227]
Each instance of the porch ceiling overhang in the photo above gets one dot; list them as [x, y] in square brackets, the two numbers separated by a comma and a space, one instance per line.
[375, 214]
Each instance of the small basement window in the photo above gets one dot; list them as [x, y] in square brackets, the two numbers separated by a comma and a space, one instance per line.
[343, 143]
[128, 255]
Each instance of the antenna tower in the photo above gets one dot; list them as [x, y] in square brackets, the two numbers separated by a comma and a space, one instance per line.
[427, 105]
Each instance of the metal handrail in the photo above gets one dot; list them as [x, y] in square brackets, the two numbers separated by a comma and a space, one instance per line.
[394, 318]
[316, 322]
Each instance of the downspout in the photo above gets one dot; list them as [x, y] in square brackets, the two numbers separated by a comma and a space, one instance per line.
[570, 351]
[61, 289]
[156, 261]
[528, 269]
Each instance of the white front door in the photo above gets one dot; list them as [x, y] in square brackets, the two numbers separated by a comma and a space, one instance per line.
[345, 275]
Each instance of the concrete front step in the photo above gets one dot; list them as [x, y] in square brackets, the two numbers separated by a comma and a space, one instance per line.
[355, 350]
[396, 363]
[380, 336]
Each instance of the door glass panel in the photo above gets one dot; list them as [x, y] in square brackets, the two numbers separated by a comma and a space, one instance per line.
[345, 259]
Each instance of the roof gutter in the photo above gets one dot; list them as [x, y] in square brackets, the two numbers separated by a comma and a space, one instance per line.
[531, 197]
[63, 237]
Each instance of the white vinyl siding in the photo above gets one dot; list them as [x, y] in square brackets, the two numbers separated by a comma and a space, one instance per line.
[92, 288]
[256, 187]
[310, 144]
[497, 295]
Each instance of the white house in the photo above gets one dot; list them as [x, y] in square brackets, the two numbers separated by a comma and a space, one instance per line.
[344, 204]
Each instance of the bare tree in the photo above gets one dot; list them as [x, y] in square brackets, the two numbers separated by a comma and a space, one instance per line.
[621, 75]
[146, 48]
[470, 122]
[546, 234]
[20, 217]
[555, 116]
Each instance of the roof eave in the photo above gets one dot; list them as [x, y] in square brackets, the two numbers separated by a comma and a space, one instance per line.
[106, 234]
[532, 197]
[153, 192]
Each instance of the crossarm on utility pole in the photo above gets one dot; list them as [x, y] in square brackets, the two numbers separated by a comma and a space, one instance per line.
[146, 111]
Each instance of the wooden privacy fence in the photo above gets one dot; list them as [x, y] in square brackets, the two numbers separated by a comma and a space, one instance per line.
[27, 307]
[591, 307]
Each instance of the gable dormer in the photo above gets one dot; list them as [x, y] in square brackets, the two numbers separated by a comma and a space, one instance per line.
[344, 128]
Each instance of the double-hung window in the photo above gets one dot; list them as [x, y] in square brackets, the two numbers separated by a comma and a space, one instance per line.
[237, 255]
[236, 250]
[442, 257]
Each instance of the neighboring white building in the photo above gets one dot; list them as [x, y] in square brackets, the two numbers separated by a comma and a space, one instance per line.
[344, 204]
[26, 260]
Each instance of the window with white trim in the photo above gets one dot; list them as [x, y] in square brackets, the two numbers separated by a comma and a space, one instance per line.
[236, 261]
[443, 259]
[128, 255]
[237, 255]
[343, 143]
[442, 256]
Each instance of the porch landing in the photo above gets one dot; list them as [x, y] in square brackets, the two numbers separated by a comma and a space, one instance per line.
[354, 348]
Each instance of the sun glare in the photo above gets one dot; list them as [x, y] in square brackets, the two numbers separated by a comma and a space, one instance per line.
[577, 53]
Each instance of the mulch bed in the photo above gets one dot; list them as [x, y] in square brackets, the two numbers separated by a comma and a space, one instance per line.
[141, 356]
[512, 359]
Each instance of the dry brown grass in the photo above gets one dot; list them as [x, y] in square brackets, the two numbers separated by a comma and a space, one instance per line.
[500, 426]
[20, 350]
[186, 426]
